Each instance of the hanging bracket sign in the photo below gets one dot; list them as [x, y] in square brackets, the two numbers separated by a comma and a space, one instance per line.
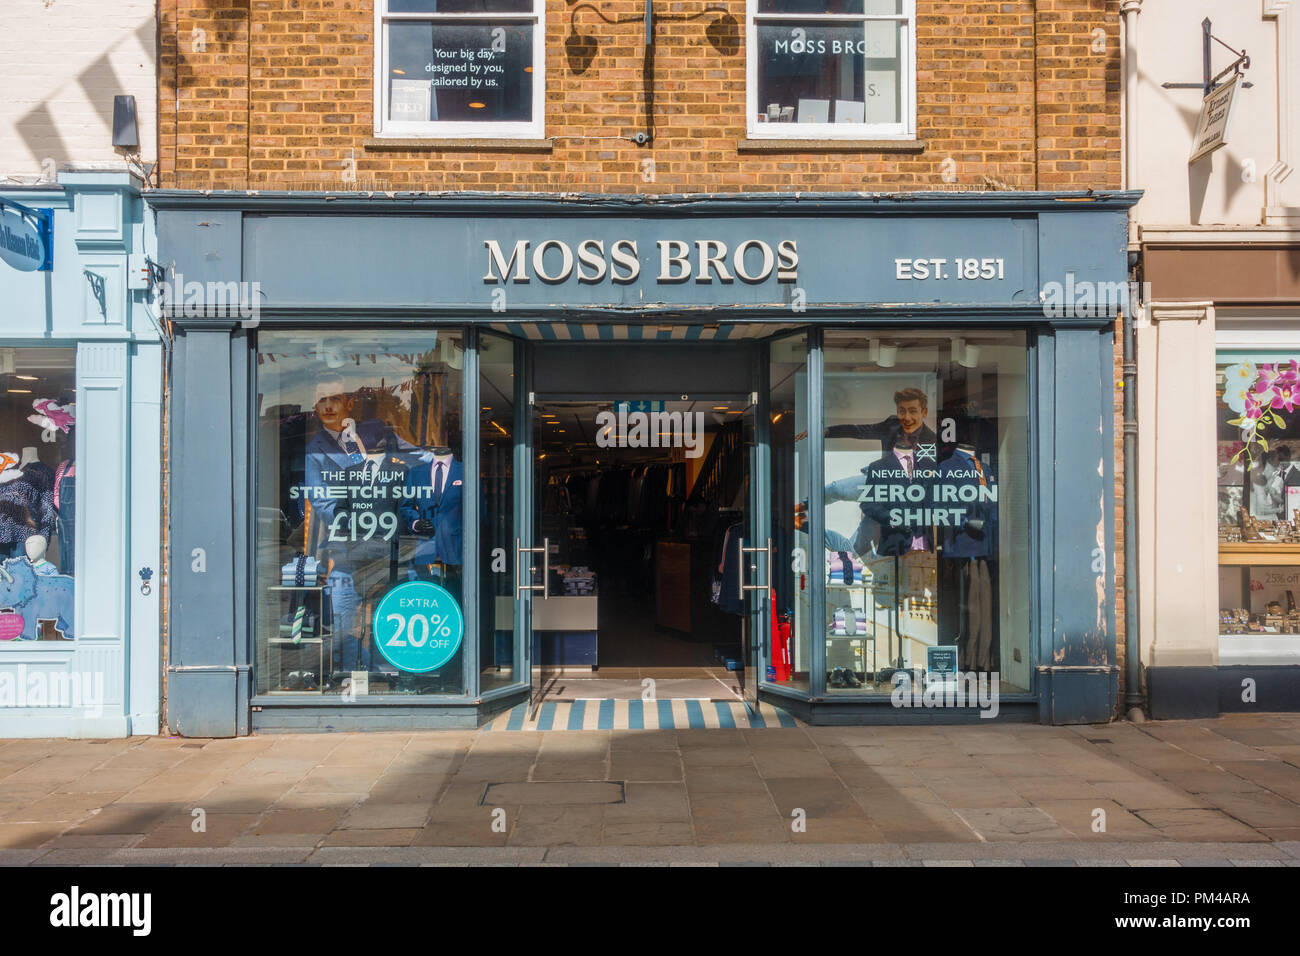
[26, 237]
[1212, 124]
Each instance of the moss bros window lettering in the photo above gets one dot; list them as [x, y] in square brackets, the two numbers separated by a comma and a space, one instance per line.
[360, 489]
[830, 67]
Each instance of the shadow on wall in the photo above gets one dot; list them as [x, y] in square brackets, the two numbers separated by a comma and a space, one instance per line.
[99, 83]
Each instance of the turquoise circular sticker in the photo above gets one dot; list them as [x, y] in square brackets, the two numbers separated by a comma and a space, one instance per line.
[418, 626]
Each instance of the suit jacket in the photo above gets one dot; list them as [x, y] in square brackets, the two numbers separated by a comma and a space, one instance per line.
[964, 542]
[444, 511]
[888, 538]
[885, 432]
[324, 453]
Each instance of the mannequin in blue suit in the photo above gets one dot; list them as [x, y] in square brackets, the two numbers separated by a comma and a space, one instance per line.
[432, 510]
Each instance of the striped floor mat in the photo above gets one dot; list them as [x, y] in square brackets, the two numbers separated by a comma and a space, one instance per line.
[610, 714]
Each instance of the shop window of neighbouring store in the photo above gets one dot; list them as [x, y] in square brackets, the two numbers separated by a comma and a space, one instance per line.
[831, 69]
[37, 494]
[1258, 475]
[460, 68]
[927, 546]
[359, 513]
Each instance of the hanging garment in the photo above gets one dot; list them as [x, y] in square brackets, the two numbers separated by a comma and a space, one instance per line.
[976, 537]
[730, 598]
[27, 506]
[979, 606]
[65, 507]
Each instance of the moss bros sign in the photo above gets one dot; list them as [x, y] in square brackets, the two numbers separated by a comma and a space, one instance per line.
[26, 237]
[619, 261]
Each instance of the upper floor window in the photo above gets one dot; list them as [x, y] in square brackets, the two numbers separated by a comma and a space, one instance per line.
[831, 69]
[459, 68]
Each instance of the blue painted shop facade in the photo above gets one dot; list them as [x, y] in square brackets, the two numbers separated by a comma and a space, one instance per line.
[81, 365]
[851, 455]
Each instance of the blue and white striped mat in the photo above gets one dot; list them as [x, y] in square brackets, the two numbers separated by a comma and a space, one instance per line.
[611, 714]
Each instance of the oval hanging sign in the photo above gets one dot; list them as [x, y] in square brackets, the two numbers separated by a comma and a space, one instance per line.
[23, 241]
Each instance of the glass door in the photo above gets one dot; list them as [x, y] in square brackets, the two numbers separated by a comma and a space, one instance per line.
[506, 485]
[754, 562]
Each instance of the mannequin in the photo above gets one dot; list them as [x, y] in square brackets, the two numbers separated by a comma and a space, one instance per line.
[35, 548]
[968, 560]
[431, 509]
[26, 502]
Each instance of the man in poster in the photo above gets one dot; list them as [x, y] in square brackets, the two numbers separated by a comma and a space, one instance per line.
[907, 431]
[910, 407]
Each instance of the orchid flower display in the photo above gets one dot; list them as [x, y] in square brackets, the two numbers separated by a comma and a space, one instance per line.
[1256, 394]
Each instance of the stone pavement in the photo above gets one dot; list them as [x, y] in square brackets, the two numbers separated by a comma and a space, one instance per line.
[1163, 793]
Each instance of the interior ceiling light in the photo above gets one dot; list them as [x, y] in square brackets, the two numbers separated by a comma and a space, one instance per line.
[478, 106]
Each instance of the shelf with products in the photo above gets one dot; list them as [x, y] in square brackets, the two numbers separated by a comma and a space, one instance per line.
[1245, 553]
[301, 635]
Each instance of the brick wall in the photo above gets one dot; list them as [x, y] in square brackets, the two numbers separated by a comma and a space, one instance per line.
[279, 93]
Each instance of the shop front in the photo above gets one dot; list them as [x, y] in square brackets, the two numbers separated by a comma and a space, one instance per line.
[80, 450]
[1219, 495]
[436, 458]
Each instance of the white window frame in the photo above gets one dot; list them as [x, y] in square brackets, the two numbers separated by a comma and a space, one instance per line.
[906, 130]
[460, 129]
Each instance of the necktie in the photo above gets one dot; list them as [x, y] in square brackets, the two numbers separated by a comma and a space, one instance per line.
[437, 478]
[350, 442]
[976, 463]
[907, 466]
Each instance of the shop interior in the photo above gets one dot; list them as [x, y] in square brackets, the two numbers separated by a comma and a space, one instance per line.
[37, 447]
[636, 538]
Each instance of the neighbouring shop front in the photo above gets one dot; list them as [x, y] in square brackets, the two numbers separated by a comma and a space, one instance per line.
[81, 368]
[1219, 374]
[851, 456]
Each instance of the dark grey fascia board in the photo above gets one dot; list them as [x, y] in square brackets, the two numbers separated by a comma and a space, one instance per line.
[590, 204]
[857, 313]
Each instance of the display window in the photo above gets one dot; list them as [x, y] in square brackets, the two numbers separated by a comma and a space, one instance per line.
[1258, 482]
[38, 470]
[461, 68]
[927, 546]
[360, 491]
[831, 68]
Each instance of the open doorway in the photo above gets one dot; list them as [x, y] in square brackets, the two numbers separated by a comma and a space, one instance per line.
[639, 504]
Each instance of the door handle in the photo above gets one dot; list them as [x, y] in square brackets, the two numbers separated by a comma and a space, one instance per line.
[740, 571]
[544, 587]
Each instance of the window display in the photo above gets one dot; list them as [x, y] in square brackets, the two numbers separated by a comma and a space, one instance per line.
[1258, 494]
[37, 494]
[792, 569]
[926, 520]
[360, 496]
[460, 67]
[831, 68]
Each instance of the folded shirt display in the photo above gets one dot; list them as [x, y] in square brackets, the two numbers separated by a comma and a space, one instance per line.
[844, 624]
[579, 582]
[844, 568]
